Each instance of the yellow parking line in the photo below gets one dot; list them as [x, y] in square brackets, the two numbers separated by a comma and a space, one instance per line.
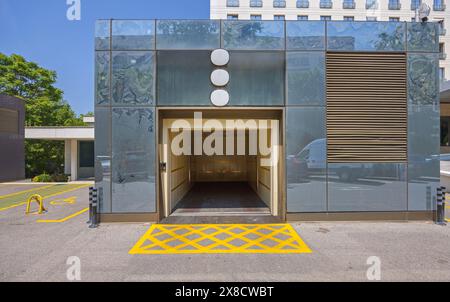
[63, 219]
[24, 191]
[48, 196]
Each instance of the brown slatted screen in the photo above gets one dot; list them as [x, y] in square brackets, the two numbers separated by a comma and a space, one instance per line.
[366, 107]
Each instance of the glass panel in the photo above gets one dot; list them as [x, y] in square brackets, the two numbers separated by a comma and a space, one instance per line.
[306, 159]
[86, 154]
[423, 37]
[423, 79]
[188, 34]
[306, 78]
[133, 164]
[423, 156]
[369, 36]
[256, 78]
[253, 34]
[133, 34]
[367, 187]
[102, 78]
[305, 35]
[103, 157]
[184, 78]
[133, 77]
[102, 33]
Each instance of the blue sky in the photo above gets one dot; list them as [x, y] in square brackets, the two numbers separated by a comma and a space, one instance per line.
[40, 31]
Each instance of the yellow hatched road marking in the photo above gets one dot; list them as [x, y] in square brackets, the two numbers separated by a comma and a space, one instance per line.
[219, 239]
[24, 191]
[48, 196]
[63, 219]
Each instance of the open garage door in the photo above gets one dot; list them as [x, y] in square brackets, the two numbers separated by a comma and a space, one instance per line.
[221, 167]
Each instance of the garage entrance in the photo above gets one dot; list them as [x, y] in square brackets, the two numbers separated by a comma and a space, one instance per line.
[220, 165]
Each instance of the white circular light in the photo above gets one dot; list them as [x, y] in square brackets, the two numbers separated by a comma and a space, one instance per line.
[220, 97]
[220, 57]
[220, 77]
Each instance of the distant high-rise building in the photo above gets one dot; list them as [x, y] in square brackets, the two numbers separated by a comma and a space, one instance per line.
[357, 10]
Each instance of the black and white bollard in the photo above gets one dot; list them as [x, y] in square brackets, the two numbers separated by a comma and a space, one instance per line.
[440, 210]
[92, 207]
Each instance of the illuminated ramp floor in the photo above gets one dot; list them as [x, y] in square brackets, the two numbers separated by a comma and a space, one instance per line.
[220, 238]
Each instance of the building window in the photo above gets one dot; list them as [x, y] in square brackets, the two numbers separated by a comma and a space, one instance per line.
[394, 19]
[302, 18]
[232, 17]
[256, 3]
[371, 4]
[394, 5]
[442, 74]
[325, 18]
[415, 4]
[278, 17]
[348, 4]
[349, 18]
[371, 18]
[326, 4]
[232, 3]
[438, 5]
[444, 130]
[442, 54]
[255, 17]
[302, 3]
[442, 30]
[279, 3]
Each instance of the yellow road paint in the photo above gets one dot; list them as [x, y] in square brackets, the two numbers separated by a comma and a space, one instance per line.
[24, 191]
[220, 239]
[58, 202]
[48, 196]
[63, 219]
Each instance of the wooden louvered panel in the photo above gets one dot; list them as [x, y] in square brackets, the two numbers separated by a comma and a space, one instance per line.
[366, 107]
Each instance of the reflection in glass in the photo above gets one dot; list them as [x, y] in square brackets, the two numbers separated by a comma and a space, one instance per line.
[306, 78]
[305, 35]
[133, 160]
[188, 34]
[103, 158]
[306, 159]
[367, 187]
[133, 34]
[253, 34]
[369, 36]
[184, 77]
[256, 78]
[133, 77]
[423, 36]
[102, 33]
[423, 156]
[102, 78]
[423, 79]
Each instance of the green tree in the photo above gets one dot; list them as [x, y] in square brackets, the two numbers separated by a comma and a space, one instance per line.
[44, 106]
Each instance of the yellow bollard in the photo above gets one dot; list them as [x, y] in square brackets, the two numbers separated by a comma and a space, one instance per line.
[39, 200]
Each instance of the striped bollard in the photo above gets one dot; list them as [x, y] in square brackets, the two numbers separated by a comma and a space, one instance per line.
[440, 215]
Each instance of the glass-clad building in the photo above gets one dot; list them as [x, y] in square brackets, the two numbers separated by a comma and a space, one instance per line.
[266, 120]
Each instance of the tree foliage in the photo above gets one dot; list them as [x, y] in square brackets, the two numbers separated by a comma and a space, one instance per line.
[44, 106]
